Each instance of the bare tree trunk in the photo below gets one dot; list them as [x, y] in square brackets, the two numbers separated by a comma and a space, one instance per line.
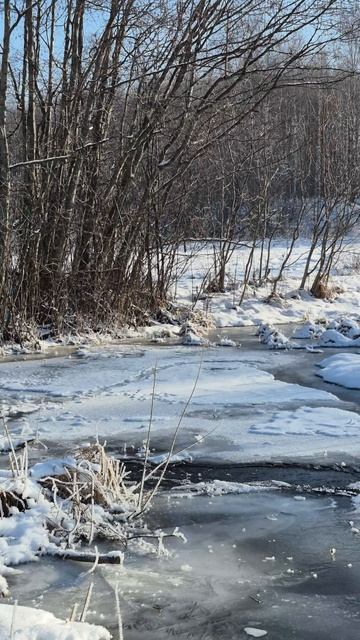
[4, 161]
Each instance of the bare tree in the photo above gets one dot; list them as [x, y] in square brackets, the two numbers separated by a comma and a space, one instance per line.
[109, 126]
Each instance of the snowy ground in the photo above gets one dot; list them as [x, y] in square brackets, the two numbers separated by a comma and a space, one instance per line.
[223, 309]
[24, 623]
[294, 308]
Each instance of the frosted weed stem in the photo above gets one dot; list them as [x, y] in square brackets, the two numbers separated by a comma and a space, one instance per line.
[141, 492]
[118, 612]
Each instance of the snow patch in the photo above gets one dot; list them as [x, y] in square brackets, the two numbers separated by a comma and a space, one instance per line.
[342, 369]
[227, 342]
[273, 338]
[308, 330]
[333, 338]
[36, 624]
[310, 421]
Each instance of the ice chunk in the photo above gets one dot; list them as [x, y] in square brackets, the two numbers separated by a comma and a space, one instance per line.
[255, 633]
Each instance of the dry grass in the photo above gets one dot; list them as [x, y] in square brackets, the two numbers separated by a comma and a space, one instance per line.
[325, 291]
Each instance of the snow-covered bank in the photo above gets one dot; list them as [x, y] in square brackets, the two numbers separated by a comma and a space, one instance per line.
[24, 623]
[291, 305]
[342, 369]
[190, 302]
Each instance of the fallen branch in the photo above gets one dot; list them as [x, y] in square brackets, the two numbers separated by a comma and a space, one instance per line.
[101, 558]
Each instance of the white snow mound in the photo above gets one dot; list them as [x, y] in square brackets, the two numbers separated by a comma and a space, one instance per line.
[342, 369]
[35, 624]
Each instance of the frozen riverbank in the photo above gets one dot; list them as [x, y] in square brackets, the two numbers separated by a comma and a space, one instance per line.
[251, 410]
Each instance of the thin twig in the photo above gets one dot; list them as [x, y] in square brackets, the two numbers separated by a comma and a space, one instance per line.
[141, 492]
[74, 612]
[12, 628]
[87, 602]
[164, 465]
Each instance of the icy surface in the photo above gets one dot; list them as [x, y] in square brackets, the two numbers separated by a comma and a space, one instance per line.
[238, 411]
[221, 488]
[247, 541]
[250, 561]
[108, 394]
[311, 422]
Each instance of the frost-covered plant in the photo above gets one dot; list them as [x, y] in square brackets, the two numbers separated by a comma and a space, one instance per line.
[273, 338]
[88, 498]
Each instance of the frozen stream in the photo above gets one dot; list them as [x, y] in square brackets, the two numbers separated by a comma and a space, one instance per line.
[259, 559]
